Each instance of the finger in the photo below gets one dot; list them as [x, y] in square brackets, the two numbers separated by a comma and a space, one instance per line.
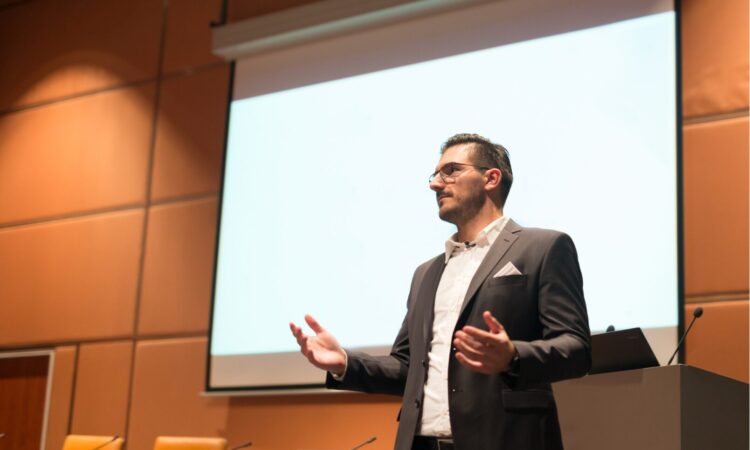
[302, 341]
[493, 324]
[295, 329]
[314, 325]
[472, 352]
[469, 341]
[484, 337]
[467, 361]
[471, 364]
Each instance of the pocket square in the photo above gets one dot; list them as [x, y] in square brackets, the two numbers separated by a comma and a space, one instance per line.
[508, 269]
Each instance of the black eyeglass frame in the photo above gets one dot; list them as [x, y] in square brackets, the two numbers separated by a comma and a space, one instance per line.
[452, 179]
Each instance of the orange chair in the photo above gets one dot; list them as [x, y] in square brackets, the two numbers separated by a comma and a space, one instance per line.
[189, 443]
[83, 442]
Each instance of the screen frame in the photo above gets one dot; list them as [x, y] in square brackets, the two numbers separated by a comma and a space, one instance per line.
[677, 5]
[318, 388]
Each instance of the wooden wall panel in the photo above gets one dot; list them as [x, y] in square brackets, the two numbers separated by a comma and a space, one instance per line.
[190, 135]
[178, 268]
[51, 49]
[332, 420]
[714, 56]
[167, 383]
[716, 207]
[78, 155]
[187, 42]
[61, 397]
[69, 280]
[73, 280]
[718, 341]
[101, 393]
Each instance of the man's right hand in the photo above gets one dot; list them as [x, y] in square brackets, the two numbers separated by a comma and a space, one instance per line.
[322, 350]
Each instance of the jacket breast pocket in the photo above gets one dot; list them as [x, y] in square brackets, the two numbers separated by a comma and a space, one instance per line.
[527, 400]
[508, 280]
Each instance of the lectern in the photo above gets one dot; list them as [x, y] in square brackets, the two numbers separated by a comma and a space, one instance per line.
[661, 408]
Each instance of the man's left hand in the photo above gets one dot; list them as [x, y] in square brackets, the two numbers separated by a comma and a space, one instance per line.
[487, 352]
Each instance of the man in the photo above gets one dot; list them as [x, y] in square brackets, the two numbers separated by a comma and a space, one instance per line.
[490, 323]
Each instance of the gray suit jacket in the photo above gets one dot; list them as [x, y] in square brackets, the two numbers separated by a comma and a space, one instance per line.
[543, 312]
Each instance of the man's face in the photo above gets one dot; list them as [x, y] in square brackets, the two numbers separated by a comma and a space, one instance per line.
[461, 198]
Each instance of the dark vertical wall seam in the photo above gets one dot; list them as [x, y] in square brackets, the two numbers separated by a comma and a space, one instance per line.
[71, 407]
[144, 237]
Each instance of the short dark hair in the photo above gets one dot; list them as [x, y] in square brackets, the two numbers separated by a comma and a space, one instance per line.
[487, 154]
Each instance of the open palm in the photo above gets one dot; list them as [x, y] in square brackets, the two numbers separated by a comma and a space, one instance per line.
[322, 349]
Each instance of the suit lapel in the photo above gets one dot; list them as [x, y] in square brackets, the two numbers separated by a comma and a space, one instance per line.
[507, 237]
[427, 295]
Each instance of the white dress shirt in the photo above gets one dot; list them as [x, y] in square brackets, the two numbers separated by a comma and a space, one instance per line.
[462, 262]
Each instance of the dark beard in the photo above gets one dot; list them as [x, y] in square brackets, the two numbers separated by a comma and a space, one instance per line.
[463, 212]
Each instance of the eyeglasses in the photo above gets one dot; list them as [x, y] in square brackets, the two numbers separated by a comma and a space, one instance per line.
[448, 171]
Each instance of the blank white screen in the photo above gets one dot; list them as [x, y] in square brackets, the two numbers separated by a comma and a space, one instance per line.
[326, 207]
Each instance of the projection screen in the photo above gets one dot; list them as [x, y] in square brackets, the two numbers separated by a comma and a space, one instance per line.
[325, 207]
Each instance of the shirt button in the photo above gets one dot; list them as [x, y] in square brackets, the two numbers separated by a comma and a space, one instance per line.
[424, 364]
[453, 390]
[416, 403]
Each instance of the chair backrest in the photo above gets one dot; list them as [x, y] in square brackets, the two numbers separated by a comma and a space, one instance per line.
[85, 442]
[189, 443]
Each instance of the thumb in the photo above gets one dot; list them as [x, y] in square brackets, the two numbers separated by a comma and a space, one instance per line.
[494, 325]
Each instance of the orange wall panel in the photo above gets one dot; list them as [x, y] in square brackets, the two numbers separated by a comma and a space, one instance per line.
[62, 393]
[718, 341]
[178, 270]
[714, 56]
[187, 42]
[69, 280]
[77, 279]
[101, 392]
[315, 421]
[716, 206]
[190, 134]
[78, 155]
[167, 383]
[51, 49]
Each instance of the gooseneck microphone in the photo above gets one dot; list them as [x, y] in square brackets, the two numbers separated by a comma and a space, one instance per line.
[114, 438]
[243, 445]
[369, 440]
[696, 313]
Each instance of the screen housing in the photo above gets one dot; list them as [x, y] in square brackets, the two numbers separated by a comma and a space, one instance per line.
[352, 71]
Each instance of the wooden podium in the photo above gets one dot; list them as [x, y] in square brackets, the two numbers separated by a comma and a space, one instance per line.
[661, 408]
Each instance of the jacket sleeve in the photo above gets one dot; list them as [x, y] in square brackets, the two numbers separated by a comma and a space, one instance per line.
[564, 351]
[376, 374]
[385, 374]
